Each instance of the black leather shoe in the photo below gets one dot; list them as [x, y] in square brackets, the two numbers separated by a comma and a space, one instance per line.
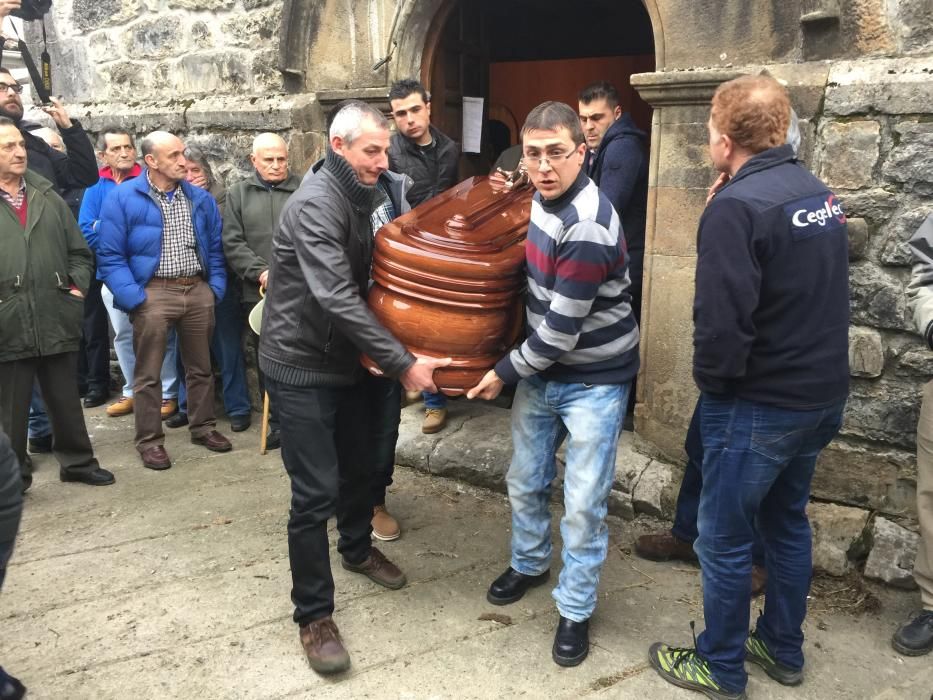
[177, 421]
[571, 642]
[97, 477]
[511, 586]
[95, 397]
[915, 638]
[40, 445]
[273, 440]
[240, 423]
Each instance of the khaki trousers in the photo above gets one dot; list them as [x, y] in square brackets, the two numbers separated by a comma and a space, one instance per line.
[923, 567]
[188, 305]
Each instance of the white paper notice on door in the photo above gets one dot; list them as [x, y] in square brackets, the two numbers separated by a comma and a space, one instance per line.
[472, 124]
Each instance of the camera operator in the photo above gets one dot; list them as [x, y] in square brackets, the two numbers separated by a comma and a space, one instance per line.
[77, 168]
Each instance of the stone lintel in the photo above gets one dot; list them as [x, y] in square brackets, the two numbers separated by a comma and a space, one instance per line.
[378, 97]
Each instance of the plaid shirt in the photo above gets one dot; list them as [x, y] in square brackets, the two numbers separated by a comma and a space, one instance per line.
[15, 201]
[179, 252]
[384, 213]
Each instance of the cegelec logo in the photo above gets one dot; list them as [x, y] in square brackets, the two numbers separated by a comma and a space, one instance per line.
[803, 218]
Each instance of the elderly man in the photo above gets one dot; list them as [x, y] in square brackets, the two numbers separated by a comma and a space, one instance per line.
[316, 324]
[253, 209]
[771, 318]
[117, 152]
[45, 270]
[160, 253]
[574, 373]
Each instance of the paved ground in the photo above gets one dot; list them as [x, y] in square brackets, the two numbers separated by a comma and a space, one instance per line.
[175, 585]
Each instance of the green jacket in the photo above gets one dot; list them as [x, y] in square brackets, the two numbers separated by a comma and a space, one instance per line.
[38, 315]
[250, 218]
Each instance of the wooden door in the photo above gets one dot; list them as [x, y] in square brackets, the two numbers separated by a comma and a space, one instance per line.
[457, 65]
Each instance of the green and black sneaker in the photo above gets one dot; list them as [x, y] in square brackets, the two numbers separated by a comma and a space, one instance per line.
[685, 668]
[757, 652]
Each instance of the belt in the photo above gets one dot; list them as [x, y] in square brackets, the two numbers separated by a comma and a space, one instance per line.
[183, 281]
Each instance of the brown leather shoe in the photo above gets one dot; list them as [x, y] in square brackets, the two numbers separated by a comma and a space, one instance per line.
[323, 647]
[435, 420]
[378, 569]
[759, 580]
[213, 441]
[664, 546]
[156, 458]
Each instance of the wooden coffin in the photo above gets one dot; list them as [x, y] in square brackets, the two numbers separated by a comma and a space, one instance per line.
[449, 278]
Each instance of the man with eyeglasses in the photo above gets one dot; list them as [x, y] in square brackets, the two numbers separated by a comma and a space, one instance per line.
[70, 170]
[574, 374]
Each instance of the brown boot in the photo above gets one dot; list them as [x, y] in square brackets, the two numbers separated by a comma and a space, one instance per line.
[385, 527]
[664, 546]
[378, 569]
[759, 580]
[435, 419]
[323, 646]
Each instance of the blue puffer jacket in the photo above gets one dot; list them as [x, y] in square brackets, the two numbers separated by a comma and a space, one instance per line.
[130, 242]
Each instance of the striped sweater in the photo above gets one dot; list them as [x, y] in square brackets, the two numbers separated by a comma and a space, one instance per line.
[580, 326]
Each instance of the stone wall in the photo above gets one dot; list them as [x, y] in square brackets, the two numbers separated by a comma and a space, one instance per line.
[860, 73]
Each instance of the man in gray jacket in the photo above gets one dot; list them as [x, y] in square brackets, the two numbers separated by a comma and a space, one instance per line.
[315, 326]
[251, 215]
[915, 637]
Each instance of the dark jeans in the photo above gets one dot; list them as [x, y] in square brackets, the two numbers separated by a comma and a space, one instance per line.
[56, 376]
[323, 455]
[227, 349]
[94, 353]
[190, 309]
[273, 410]
[758, 463]
[688, 499]
[437, 400]
[383, 397]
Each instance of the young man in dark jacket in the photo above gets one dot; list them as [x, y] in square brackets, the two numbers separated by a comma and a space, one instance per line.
[431, 159]
[45, 270]
[771, 318]
[316, 324]
[617, 161]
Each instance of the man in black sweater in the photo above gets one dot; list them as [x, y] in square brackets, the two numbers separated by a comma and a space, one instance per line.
[771, 317]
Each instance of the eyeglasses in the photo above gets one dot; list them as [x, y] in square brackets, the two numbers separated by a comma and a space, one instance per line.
[552, 159]
[15, 87]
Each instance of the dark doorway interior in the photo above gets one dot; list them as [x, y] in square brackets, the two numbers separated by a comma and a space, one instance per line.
[518, 53]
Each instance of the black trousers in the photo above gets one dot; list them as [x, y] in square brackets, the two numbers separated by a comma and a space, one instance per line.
[322, 452]
[383, 406]
[94, 354]
[254, 342]
[56, 376]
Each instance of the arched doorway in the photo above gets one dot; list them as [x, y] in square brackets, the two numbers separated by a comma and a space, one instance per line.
[518, 54]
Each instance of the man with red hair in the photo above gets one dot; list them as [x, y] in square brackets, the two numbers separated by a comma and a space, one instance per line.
[771, 317]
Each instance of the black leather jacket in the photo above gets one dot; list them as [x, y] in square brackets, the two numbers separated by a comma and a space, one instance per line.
[11, 493]
[316, 321]
[431, 175]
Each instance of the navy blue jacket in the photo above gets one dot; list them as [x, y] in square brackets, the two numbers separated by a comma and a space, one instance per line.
[771, 311]
[129, 244]
[620, 170]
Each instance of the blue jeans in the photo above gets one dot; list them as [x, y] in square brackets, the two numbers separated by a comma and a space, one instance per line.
[39, 425]
[688, 499]
[544, 413]
[126, 358]
[758, 462]
[227, 349]
[437, 400]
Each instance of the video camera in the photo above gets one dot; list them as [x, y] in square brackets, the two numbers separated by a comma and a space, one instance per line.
[32, 9]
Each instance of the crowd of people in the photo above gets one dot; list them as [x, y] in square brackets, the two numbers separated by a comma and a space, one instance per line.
[162, 253]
